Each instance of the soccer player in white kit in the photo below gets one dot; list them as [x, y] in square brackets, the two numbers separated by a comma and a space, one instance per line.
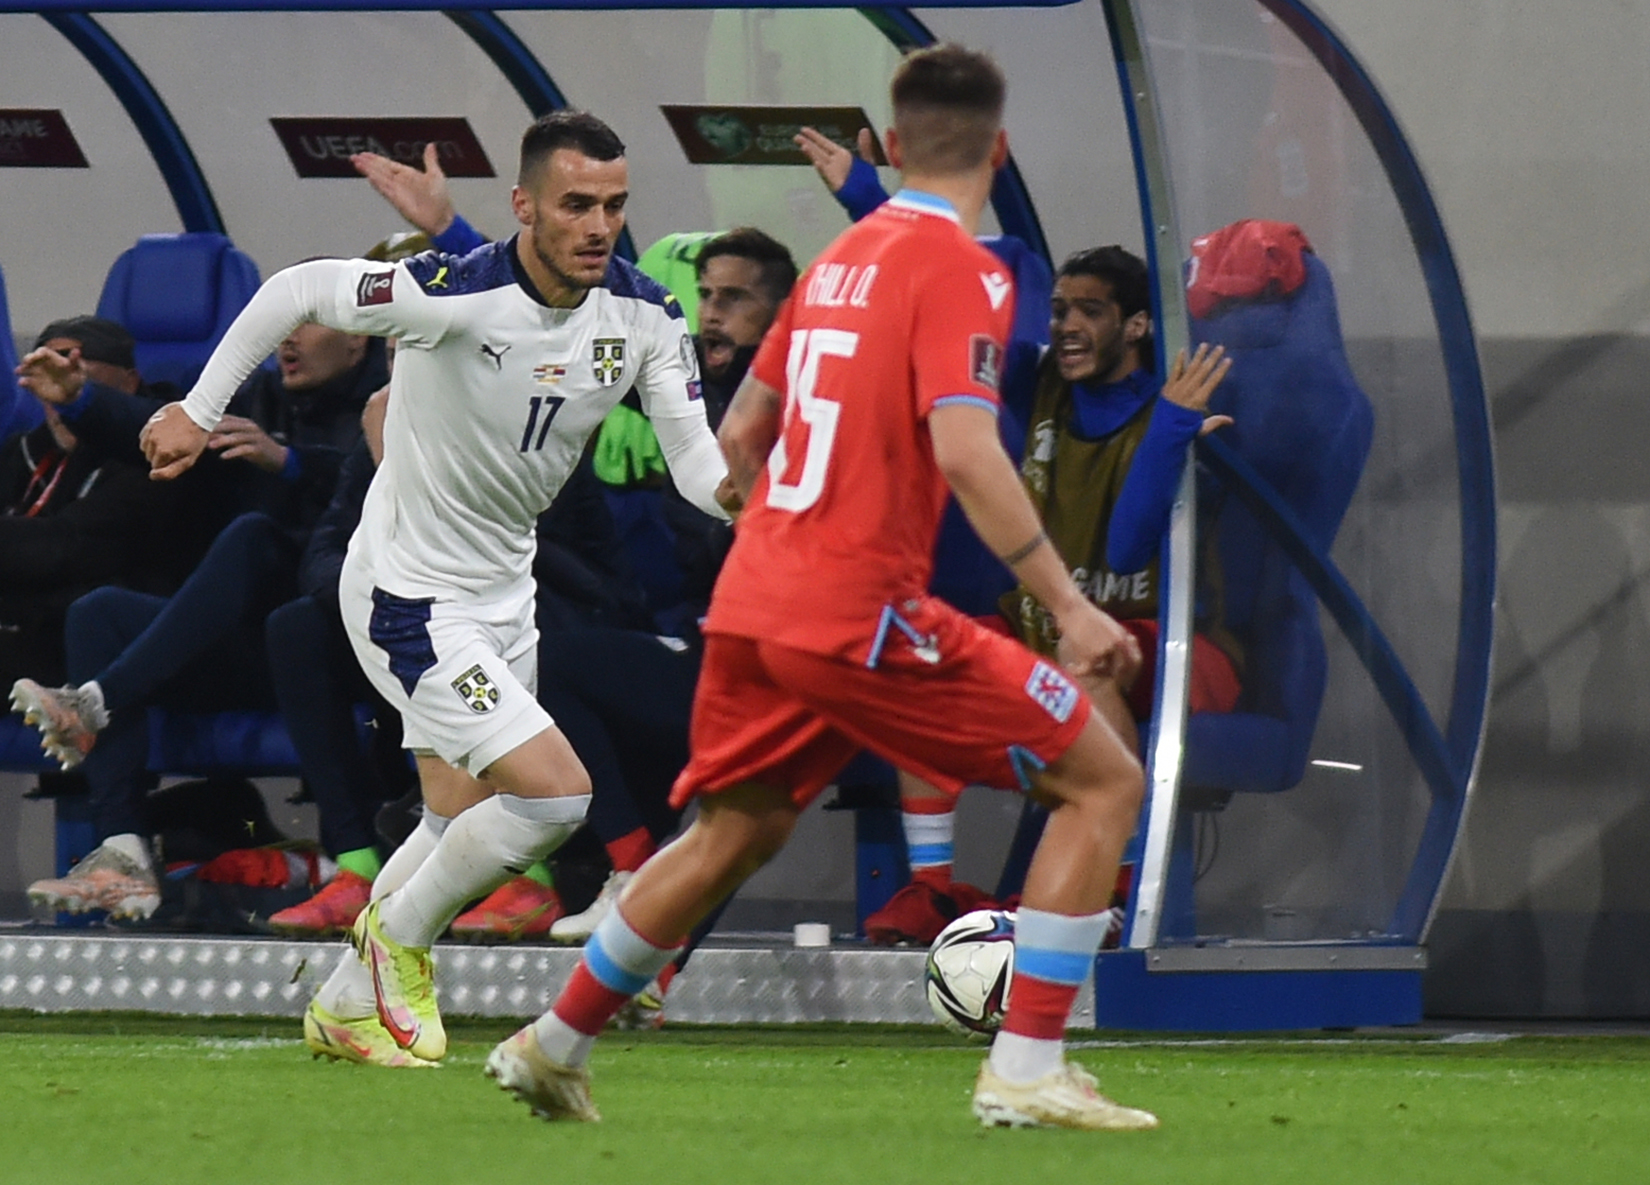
[508, 359]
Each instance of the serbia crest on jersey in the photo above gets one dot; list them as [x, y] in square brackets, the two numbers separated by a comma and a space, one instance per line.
[903, 313]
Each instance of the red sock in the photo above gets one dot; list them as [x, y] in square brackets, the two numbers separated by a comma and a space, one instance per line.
[1038, 1008]
[665, 976]
[630, 852]
[585, 1004]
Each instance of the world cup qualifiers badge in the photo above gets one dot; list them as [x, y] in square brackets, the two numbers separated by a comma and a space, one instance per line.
[476, 690]
[375, 288]
[607, 360]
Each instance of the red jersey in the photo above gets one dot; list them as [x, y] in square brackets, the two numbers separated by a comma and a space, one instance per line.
[902, 313]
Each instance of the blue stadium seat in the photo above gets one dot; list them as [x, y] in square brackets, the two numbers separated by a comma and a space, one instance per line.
[251, 744]
[20, 747]
[18, 409]
[1304, 425]
[177, 294]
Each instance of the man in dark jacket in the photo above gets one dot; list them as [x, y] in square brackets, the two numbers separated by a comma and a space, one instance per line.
[202, 649]
[72, 517]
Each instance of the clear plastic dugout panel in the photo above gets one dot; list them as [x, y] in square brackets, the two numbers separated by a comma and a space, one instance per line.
[1355, 573]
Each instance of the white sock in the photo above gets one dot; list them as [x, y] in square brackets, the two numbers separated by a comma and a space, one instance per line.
[347, 993]
[620, 960]
[412, 853]
[561, 1042]
[485, 846]
[132, 847]
[1025, 1059]
[928, 839]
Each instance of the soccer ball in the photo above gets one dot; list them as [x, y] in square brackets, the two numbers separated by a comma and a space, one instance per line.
[970, 970]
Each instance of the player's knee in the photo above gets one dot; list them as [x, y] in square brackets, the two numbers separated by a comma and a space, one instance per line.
[1097, 771]
[770, 834]
[753, 831]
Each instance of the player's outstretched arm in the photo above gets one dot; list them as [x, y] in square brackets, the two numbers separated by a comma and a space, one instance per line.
[970, 455]
[749, 429]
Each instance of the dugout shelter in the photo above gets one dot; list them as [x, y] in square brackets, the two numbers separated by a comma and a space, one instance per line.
[1290, 862]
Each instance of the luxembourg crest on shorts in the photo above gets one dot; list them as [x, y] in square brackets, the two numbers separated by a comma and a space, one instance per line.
[1052, 691]
[607, 360]
[478, 692]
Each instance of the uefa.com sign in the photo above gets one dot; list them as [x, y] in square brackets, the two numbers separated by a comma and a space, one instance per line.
[322, 146]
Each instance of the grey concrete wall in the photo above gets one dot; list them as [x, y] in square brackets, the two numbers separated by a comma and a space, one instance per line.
[1548, 911]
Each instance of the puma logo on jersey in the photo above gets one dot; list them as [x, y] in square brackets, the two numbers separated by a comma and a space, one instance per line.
[997, 288]
[439, 280]
[496, 354]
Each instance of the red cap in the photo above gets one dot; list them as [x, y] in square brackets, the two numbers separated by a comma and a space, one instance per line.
[1244, 260]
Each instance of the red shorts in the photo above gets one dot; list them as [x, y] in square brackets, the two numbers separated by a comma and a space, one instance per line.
[957, 705]
[1215, 686]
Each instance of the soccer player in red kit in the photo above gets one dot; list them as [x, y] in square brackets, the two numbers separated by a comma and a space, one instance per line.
[873, 394]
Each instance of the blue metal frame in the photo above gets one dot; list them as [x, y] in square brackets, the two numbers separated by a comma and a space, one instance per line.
[525, 72]
[43, 6]
[197, 209]
[1128, 994]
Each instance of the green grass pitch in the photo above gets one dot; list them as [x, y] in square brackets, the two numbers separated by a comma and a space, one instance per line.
[128, 1099]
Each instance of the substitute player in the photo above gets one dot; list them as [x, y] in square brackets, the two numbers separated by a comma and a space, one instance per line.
[875, 390]
[508, 359]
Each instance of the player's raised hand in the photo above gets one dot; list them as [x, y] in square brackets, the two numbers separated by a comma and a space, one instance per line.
[1192, 384]
[831, 160]
[56, 378]
[1093, 645]
[421, 197]
[172, 442]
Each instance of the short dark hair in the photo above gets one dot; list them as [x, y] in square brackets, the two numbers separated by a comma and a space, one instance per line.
[778, 269]
[578, 130]
[948, 105]
[1130, 281]
[101, 340]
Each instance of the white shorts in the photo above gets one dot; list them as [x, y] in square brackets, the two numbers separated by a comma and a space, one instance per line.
[464, 676]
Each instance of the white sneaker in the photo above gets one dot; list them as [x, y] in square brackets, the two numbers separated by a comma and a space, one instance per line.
[1069, 1097]
[552, 1090]
[581, 926]
[69, 718]
[116, 876]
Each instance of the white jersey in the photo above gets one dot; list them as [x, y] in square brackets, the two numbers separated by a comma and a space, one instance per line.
[493, 397]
